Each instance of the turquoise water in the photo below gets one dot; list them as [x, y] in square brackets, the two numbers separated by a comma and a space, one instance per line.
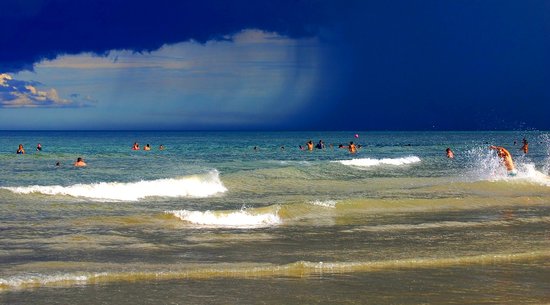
[210, 219]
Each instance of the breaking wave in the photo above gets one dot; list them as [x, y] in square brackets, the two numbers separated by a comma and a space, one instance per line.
[229, 219]
[195, 186]
[297, 269]
[324, 203]
[369, 162]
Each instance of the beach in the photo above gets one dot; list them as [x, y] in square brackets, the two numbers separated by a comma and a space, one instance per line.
[250, 218]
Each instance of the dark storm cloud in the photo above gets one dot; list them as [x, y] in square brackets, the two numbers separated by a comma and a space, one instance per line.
[397, 64]
[443, 65]
[33, 30]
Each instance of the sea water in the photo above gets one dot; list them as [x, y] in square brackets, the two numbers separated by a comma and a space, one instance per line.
[250, 218]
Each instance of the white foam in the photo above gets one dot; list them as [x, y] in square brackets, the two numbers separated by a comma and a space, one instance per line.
[325, 203]
[528, 173]
[228, 219]
[196, 186]
[37, 280]
[486, 165]
[369, 162]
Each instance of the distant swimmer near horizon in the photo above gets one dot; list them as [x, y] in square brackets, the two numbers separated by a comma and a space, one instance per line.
[20, 150]
[80, 162]
[450, 153]
[506, 159]
[320, 145]
[352, 148]
[525, 146]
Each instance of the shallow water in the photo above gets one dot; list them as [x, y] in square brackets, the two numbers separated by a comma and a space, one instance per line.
[211, 220]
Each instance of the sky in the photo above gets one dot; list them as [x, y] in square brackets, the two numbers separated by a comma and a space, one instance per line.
[275, 65]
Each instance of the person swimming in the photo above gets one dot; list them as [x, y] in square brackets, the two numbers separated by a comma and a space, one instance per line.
[320, 145]
[20, 150]
[147, 147]
[135, 146]
[352, 148]
[39, 147]
[525, 146]
[80, 162]
[506, 159]
[450, 153]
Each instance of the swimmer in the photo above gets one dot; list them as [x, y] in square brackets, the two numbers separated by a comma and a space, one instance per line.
[352, 148]
[39, 147]
[506, 159]
[320, 145]
[147, 147]
[525, 146]
[161, 147]
[309, 145]
[20, 150]
[450, 153]
[135, 146]
[80, 162]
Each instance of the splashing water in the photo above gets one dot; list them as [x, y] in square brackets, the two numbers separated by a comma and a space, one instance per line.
[484, 164]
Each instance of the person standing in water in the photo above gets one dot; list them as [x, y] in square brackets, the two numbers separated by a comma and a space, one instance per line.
[320, 145]
[506, 159]
[352, 148]
[450, 153]
[20, 150]
[525, 146]
[80, 162]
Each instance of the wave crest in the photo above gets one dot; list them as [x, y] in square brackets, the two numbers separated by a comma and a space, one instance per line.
[298, 269]
[368, 162]
[195, 186]
[228, 219]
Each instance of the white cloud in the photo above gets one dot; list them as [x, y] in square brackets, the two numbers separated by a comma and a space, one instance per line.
[22, 94]
[4, 78]
[253, 77]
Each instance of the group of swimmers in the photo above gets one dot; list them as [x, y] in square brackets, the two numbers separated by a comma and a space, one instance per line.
[80, 161]
[352, 147]
[504, 154]
[146, 147]
[21, 150]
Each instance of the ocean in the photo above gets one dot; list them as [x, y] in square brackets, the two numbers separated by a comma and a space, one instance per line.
[250, 218]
